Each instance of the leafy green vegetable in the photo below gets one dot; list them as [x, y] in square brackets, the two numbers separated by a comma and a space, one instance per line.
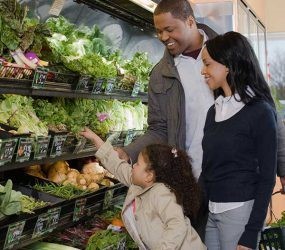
[18, 31]
[93, 65]
[104, 238]
[29, 204]
[12, 20]
[82, 50]
[280, 222]
[10, 200]
[17, 111]
[64, 191]
[136, 70]
[13, 202]
[52, 113]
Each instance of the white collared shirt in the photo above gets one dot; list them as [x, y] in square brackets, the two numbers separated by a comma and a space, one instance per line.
[198, 99]
[228, 106]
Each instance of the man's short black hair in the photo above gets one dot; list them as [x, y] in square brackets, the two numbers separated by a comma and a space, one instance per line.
[180, 9]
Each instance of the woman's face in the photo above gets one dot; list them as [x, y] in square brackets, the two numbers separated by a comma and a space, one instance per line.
[141, 175]
[215, 73]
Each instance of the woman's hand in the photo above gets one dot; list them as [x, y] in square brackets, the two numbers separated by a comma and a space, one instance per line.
[239, 247]
[90, 135]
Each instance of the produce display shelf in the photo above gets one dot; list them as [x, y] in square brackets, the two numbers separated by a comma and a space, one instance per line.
[23, 87]
[70, 156]
[58, 216]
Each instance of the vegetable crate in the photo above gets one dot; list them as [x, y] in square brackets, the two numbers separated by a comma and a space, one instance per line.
[272, 238]
[15, 72]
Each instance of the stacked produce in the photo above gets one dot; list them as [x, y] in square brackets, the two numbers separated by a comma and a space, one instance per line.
[20, 34]
[59, 172]
[96, 233]
[102, 116]
[14, 202]
[136, 69]
[17, 111]
[66, 192]
[67, 182]
[88, 51]
[83, 50]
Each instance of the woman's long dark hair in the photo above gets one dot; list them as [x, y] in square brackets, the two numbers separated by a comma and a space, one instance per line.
[175, 171]
[235, 52]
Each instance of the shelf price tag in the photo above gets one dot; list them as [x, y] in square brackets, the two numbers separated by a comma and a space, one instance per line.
[14, 234]
[80, 145]
[83, 83]
[7, 149]
[136, 89]
[24, 149]
[47, 222]
[98, 85]
[129, 137]
[41, 226]
[57, 145]
[54, 215]
[108, 199]
[113, 137]
[79, 208]
[41, 149]
[121, 244]
[40, 77]
[110, 85]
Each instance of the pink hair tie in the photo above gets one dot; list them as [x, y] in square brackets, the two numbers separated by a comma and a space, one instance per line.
[174, 152]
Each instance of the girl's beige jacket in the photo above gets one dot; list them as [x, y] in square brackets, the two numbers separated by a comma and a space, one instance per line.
[160, 221]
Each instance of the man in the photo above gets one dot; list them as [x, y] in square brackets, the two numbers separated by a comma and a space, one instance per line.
[178, 97]
[176, 78]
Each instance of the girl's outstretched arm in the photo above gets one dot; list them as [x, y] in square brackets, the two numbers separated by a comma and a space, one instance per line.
[109, 158]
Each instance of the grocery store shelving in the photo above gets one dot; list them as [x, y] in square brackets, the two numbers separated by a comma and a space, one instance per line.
[65, 157]
[64, 213]
[125, 10]
[23, 87]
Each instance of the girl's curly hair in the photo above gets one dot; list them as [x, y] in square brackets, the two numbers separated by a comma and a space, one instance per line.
[173, 168]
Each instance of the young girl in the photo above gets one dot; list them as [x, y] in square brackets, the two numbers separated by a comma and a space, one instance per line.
[162, 190]
[239, 144]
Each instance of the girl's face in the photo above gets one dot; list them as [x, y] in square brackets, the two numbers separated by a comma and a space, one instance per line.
[215, 73]
[141, 175]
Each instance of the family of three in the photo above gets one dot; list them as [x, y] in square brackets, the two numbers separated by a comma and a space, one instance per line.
[206, 167]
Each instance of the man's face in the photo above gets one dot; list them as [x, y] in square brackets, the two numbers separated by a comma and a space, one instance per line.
[173, 32]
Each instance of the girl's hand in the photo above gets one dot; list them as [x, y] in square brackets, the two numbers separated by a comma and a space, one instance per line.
[90, 135]
[239, 247]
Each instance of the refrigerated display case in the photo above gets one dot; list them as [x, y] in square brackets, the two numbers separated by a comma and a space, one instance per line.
[22, 229]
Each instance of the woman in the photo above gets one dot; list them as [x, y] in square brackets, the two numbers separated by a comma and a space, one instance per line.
[239, 144]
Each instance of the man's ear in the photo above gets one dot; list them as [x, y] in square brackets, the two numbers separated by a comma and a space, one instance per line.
[190, 21]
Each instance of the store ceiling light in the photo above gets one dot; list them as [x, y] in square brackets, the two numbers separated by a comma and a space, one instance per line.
[146, 4]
